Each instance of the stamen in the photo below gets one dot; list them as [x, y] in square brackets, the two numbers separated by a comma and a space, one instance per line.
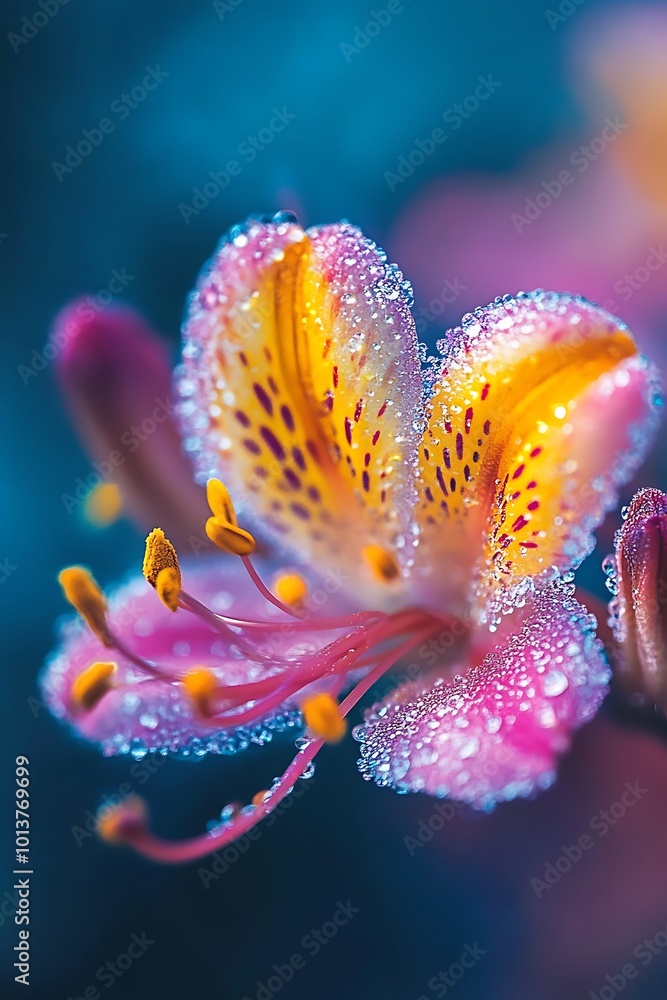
[91, 686]
[159, 554]
[381, 562]
[168, 587]
[103, 505]
[201, 685]
[220, 502]
[86, 597]
[229, 537]
[119, 824]
[291, 589]
[322, 716]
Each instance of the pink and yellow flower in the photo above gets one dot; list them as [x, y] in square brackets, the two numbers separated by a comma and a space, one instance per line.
[431, 507]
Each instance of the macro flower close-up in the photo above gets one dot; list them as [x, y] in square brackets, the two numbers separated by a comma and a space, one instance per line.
[334, 563]
[428, 499]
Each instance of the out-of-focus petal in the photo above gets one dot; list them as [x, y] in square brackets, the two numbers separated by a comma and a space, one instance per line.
[495, 732]
[301, 384]
[638, 578]
[541, 410]
[142, 713]
[116, 377]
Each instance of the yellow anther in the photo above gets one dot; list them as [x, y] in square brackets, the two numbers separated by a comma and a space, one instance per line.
[103, 505]
[200, 684]
[115, 824]
[322, 716]
[168, 586]
[91, 686]
[220, 501]
[160, 554]
[290, 588]
[382, 563]
[229, 537]
[84, 594]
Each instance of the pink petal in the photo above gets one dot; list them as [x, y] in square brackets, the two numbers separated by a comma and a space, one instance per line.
[116, 376]
[154, 714]
[496, 732]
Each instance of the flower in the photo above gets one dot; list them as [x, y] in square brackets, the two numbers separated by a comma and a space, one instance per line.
[406, 505]
[637, 577]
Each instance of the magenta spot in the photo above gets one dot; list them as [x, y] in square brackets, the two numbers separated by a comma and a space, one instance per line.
[272, 385]
[530, 545]
[288, 419]
[261, 472]
[475, 456]
[519, 471]
[459, 446]
[367, 458]
[452, 484]
[531, 485]
[357, 410]
[428, 494]
[328, 401]
[485, 391]
[382, 409]
[520, 523]
[314, 494]
[515, 496]
[383, 496]
[448, 426]
[427, 454]
[466, 473]
[441, 480]
[300, 461]
[487, 427]
[263, 397]
[273, 442]
[447, 457]
[533, 505]
[300, 511]
[366, 480]
[242, 418]
[535, 452]
[252, 446]
[468, 422]
[376, 437]
[348, 430]
[311, 447]
[243, 358]
[292, 479]
[267, 354]
[335, 376]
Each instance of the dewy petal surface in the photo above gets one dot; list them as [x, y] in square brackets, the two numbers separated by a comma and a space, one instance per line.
[496, 731]
[115, 373]
[301, 387]
[146, 713]
[541, 409]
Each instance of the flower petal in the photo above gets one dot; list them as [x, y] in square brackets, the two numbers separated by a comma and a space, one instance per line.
[496, 732]
[301, 385]
[541, 410]
[116, 376]
[142, 713]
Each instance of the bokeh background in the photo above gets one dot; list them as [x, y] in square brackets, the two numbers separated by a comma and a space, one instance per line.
[481, 215]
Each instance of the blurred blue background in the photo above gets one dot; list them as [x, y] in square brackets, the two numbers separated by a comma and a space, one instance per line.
[358, 108]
